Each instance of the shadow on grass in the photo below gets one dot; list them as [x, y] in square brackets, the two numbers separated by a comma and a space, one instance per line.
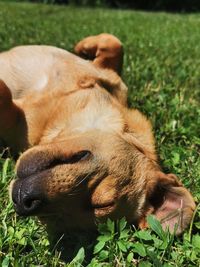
[69, 244]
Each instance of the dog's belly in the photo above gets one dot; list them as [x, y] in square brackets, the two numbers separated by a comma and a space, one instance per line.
[28, 69]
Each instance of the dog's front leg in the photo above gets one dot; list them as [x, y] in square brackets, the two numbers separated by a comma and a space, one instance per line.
[105, 50]
[12, 121]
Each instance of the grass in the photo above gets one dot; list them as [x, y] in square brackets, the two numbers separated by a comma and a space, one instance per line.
[162, 71]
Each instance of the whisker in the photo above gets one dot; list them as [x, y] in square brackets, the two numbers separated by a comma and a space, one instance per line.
[81, 181]
[75, 190]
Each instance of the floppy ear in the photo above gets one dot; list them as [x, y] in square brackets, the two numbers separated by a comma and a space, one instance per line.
[169, 201]
[12, 119]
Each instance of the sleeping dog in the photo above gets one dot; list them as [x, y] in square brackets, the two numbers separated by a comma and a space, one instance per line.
[86, 155]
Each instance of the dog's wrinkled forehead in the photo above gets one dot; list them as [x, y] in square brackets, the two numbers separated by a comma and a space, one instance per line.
[82, 112]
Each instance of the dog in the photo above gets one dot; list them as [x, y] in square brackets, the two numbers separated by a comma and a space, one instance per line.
[86, 155]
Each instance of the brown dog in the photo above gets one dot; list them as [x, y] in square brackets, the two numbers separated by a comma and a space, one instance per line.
[88, 157]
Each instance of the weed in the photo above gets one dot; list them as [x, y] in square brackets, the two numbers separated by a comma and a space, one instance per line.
[161, 69]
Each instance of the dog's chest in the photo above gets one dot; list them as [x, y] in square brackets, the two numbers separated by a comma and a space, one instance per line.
[94, 119]
[97, 114]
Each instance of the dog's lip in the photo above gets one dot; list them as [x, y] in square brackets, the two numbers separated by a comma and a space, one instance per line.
[103, 210]
[103, 205]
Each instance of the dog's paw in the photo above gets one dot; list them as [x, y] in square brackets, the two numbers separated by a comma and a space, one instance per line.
[105, 50]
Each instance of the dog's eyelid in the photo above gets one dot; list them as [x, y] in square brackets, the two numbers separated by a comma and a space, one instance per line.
[81, 155]
[74, 158]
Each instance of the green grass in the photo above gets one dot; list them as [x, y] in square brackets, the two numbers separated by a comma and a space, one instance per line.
[162, 71]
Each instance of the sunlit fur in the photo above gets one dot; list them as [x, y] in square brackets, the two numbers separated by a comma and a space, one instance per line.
[65, 105]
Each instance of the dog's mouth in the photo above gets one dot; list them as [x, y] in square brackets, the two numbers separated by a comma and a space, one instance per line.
[32, 201]
[96, 211]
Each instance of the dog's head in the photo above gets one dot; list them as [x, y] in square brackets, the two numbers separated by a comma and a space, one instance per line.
[94, 160]
[76, 182]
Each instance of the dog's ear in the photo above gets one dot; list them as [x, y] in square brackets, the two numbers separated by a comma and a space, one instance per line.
[169, 201]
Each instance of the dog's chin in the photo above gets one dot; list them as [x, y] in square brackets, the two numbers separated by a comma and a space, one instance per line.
[91, 216]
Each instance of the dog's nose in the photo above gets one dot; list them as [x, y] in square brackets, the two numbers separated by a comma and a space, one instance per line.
[28, 200]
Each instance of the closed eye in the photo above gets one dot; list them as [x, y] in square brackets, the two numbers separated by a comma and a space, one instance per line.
[74, 158]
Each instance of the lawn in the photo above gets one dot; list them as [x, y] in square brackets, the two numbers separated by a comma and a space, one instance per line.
[162, 71]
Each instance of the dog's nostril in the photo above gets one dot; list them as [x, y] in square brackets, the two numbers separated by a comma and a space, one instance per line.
[31, 204]
[28, 203]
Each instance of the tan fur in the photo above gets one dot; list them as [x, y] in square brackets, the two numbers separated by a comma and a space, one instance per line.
[105, 50]
[90, 155]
